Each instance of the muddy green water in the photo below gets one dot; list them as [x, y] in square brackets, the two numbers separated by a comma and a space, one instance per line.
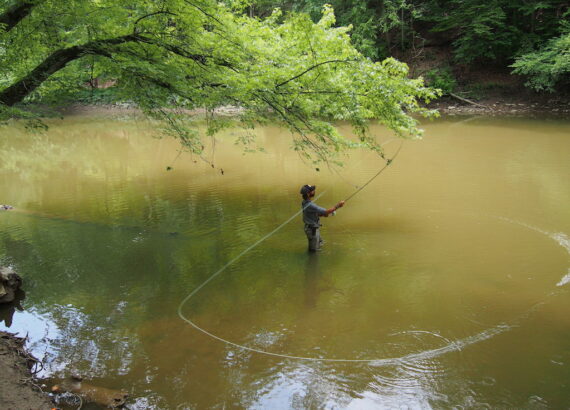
[451, 270]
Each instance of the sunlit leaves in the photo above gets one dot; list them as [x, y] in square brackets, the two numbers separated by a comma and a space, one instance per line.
[186, 54]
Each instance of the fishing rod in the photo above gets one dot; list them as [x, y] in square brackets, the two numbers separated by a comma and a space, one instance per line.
[245, 251]
[388, 163]
[450, 346]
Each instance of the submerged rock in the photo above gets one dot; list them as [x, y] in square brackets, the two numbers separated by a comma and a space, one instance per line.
[90, 393]
[10, 282]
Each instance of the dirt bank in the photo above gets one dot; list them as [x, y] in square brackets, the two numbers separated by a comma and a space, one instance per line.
[18, 388]
[491, 88]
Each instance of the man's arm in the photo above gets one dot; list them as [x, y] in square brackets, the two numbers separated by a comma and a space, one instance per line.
[327, 212]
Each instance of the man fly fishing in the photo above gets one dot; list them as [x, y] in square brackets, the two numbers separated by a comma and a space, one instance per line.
[311, 215]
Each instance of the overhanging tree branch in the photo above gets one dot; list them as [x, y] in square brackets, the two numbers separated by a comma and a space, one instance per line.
[311, 68]
[19, 11]
[150, 15]
[201, 9]
[53, 63]
[60, 58]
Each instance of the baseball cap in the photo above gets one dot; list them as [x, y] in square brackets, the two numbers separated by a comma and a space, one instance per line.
[305, 189]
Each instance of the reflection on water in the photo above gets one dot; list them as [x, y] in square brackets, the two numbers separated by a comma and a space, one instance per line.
[7, 310]
[437, 271]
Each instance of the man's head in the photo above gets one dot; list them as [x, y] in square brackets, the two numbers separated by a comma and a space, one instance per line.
[308, 191]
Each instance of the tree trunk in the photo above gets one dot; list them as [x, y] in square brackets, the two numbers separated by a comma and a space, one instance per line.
[60, 58]
[55, 62]
[15, 14]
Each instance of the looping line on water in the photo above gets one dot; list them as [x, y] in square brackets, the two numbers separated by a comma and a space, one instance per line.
[245, 251]
[450, 346]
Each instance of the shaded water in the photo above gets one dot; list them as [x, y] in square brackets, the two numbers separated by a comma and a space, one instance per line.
[450, 271]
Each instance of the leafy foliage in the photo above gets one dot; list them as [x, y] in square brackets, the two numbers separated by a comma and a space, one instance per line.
[480, 32]
[175, 55]
[375, 25]
[548, 66]
[442, 78]
[494, 30]
[480, 29]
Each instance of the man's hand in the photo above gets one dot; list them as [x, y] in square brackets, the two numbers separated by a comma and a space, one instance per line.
[334, 208]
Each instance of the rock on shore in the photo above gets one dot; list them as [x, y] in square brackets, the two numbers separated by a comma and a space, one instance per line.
[10, 282]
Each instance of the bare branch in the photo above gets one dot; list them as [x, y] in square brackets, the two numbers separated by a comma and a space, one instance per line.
[332, 92]
[312, 68]
[150, 15]
[203, 11]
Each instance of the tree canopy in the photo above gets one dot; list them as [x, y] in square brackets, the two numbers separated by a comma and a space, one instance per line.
[169, 56]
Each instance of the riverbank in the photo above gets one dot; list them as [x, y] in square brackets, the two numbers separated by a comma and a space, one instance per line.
[19, 390]
[501, 105]
[504, 106]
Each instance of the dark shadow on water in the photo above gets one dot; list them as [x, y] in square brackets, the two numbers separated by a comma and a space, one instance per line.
[313, 276]
[7, 310]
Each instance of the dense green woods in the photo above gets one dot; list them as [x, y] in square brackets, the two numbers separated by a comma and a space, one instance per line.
[529, 37]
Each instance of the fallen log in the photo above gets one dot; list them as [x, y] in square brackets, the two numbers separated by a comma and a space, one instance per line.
[469, 101]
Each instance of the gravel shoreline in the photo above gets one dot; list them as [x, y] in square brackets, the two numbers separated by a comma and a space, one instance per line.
[505, 105]
[554, 107]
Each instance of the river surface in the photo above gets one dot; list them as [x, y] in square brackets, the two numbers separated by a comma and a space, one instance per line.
[444, 283]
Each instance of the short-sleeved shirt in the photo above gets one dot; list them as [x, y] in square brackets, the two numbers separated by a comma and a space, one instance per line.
[312, 212]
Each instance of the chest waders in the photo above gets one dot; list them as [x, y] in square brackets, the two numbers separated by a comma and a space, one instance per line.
[314, 237]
